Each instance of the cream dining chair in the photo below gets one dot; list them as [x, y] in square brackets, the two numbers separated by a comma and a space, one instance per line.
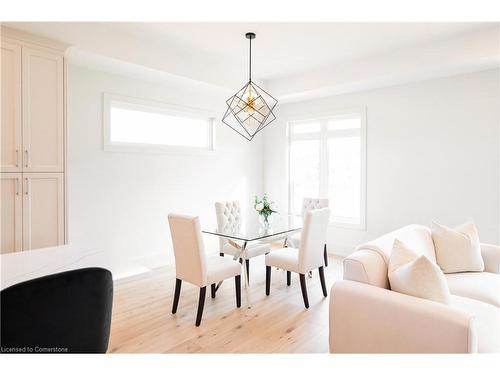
[307, 257]
[307, 205]
[192, 266]
[229, 220]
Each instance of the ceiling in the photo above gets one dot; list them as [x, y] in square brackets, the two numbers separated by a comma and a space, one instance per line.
[217, 53]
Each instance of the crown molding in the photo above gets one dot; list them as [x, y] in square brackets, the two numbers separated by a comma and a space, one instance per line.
[89, 60]
[467, 53]
[32, 39]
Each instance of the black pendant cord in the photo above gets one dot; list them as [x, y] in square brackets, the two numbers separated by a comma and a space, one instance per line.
[250, 62]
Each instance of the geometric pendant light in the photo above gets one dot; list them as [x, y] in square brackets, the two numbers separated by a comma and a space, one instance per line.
[251, 109]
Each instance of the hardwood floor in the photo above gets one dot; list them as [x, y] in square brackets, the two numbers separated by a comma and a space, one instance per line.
[142, 321]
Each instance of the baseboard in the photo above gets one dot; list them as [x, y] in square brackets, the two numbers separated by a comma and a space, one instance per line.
[155, 260]
[126, 268]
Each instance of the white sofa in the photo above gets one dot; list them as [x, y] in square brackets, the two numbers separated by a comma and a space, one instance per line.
[367, 317]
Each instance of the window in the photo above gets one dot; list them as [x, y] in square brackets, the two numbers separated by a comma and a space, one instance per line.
[304, 171]
[138, 125]
[327, 159]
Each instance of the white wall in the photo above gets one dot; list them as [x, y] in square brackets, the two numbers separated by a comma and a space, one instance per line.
[119, 202]
[432, 153]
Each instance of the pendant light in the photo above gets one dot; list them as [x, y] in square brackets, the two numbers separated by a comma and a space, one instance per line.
[251, 109]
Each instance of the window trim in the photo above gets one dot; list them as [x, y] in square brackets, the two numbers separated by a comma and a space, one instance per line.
[322, 136]
[153, 106]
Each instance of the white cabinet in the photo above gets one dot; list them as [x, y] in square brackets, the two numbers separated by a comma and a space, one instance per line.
[32, 109]
[32, 142]
[12, 212]
[43, 210]
[11, 141]
[43, 115]
[32, 209]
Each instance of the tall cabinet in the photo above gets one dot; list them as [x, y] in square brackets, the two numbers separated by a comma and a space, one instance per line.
[33, 146]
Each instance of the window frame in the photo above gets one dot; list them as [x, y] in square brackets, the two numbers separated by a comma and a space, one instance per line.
[153, 106]
[323, 135]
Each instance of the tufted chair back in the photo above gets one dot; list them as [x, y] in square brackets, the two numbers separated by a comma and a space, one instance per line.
[228, 218]
[313, 204]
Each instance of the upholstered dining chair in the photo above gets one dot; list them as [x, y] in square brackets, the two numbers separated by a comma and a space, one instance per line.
[67, 312]
[192, 266]
[307, 257]
[307, 205]
[229, 220]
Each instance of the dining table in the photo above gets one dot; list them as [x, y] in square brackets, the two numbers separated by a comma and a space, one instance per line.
[253, 228]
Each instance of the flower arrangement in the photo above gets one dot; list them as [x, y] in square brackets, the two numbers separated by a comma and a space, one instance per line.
[264, 208]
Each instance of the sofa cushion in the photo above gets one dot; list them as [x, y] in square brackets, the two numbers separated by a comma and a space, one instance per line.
[457, 250]
[481, 286]
[416, 275]
[486, 321]
[417, 237]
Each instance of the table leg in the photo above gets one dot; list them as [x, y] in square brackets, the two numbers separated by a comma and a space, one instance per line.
[247, 294]
[238, 255]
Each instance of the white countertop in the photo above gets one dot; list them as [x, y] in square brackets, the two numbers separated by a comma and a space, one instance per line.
[25, 265]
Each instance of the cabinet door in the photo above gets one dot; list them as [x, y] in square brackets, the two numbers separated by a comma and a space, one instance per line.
[43, 111]
[11, 142]
[12, 212]
[43, 210]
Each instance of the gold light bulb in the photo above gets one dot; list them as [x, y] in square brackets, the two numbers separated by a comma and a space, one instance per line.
[250, 102]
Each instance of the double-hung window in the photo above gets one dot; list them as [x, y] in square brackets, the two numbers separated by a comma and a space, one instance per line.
[327, 158]
[132, 124]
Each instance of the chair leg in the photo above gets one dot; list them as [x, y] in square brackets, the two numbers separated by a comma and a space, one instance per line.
[325, 256]
[237, 285]
[288, 278]
[268, 280]
[177, 294]
[247, 264]
[304, 290]
[322, 279]
[213, 290]
[201, 304]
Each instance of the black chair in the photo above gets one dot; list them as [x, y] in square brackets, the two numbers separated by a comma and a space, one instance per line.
[67, 312]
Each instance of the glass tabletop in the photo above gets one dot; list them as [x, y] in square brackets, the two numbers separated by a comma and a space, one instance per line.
[251, 228]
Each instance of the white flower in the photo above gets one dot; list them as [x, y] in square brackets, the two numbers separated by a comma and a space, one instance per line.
[272, 206]
[259, 206]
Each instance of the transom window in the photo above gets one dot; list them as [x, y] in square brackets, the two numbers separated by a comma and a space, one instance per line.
[139, 125]
[327, 159]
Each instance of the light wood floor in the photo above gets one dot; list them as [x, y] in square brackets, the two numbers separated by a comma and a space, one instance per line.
[142, 321]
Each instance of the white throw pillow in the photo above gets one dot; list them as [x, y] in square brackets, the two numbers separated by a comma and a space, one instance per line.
[415, 275]
[457, 250]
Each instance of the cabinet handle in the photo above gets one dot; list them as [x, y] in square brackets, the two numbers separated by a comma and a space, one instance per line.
[17, 158]
[27, 158]
[17, 185]
[27, 185]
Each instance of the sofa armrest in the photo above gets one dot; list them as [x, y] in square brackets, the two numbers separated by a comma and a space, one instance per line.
[491, 258]
[369, 319]
[366, 266]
